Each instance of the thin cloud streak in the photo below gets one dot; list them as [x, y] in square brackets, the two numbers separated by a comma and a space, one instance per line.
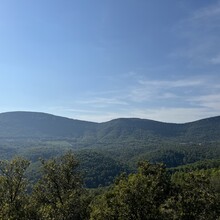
[147, 90]
[171, 83]
[199, 32]
[215, 60]
[103, 102]
[211, 101]
[208, 12]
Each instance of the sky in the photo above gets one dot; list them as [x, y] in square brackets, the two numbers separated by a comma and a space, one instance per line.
[97, 60]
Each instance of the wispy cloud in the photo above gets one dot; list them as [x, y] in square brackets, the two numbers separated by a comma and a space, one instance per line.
[200, 33]
[210, 12]
[166, 90]
[103, 101]
[211, 101]
[215, 60]
[201, 107]
[178, 100]
[172, 83]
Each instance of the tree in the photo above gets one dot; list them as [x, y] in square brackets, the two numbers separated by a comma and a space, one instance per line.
[13, 184]
[136, 197]
[60, 194]
[194, 199]
[150, 194]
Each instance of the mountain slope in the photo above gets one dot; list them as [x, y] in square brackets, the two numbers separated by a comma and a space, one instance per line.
[42, 125]
[125, 140]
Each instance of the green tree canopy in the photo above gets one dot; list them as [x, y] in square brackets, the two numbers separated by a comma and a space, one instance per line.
[59, 194]
[136, 197]
[13, 185]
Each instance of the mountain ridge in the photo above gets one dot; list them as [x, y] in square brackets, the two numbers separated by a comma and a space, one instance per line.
[43, 125]
[127, 140]
[115, 119]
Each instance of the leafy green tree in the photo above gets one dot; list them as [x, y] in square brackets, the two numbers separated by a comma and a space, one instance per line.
[13, 185]
[194, 199]
[136, 197]
[59, 194]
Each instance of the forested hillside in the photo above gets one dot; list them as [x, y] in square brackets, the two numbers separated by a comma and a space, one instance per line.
[150, 193]
[107, 149]
[42, 125]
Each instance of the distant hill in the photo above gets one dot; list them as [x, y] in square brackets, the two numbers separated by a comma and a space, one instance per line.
[42, 125]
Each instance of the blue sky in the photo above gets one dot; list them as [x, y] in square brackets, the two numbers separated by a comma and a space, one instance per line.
[103, 59]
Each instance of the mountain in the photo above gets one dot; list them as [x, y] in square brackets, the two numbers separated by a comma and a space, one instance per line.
[42, 125]
[120, 142]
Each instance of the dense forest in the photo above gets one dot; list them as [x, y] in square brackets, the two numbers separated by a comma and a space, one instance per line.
[152, 192]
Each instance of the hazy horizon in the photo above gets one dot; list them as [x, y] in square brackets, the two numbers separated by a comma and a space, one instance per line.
[109, 119]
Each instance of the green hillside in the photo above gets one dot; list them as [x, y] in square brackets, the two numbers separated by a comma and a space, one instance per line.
[42, 125]
[125, 140]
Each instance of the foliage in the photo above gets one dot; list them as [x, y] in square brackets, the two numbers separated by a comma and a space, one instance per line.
[194, 199]
[150, 194]
[13, 186]
[59, 193]
[99, 170]
[136, 197]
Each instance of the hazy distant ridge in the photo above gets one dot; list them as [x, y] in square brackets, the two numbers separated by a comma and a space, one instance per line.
[42, 125]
